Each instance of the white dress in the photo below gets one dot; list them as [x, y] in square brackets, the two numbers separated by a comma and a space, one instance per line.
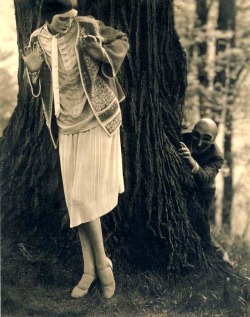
[91, 160]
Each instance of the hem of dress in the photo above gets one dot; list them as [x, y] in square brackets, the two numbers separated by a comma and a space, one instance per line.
[97, 216]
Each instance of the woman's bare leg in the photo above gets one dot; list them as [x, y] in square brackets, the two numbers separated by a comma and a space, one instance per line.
[81, 289]
[103, 264]
[87, 251]
[93, 230]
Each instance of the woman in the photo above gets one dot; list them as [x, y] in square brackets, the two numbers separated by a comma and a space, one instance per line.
[72, 62]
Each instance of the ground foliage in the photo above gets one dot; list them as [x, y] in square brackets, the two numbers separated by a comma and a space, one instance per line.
[38, 286]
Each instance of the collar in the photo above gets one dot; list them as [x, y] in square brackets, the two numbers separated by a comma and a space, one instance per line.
[46, 33]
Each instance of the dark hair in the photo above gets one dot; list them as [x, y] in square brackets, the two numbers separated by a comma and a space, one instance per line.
[52, 7]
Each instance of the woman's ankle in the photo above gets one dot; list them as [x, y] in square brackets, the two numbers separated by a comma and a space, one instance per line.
[102, 263]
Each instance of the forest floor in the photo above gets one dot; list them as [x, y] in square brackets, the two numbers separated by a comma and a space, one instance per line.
[34, 289]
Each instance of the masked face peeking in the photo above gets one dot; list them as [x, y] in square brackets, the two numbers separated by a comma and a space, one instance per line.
[203, 135]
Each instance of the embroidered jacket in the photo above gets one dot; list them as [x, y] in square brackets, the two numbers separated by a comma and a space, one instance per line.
[99, 81]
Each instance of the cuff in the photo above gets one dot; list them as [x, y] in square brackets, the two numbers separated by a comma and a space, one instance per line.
[35, 94]
[195, 168]
[107, 66]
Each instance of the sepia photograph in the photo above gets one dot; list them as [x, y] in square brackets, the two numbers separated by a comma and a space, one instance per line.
[125, 158]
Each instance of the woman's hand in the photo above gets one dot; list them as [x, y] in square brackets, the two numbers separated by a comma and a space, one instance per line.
[185, 153]
[33, 59]
[93, 46]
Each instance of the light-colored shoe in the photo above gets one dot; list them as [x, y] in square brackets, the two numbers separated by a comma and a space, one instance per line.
[107, 280]
[82, 288]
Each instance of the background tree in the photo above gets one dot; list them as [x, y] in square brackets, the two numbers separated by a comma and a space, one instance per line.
[158, 221]
[226, 82]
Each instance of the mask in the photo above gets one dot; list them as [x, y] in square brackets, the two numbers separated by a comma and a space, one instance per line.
[203, 135]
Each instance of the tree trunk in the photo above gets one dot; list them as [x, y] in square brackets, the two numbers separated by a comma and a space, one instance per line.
[158, 221]
[226, 22]
[200, 25]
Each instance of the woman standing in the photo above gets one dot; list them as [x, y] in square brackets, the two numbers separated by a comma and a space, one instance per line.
[72, 62]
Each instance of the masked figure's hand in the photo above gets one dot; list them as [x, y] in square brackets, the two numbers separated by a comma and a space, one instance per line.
[185, 153]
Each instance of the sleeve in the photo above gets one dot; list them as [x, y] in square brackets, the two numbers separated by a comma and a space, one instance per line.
[206, 174]
[35, 88]
[115, 44]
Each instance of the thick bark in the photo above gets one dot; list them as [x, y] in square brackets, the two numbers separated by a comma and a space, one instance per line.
[158, 220]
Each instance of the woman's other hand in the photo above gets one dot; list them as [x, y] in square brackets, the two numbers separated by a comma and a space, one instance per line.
[33, 59]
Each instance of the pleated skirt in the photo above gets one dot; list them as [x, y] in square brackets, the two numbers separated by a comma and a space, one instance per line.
[91, 165]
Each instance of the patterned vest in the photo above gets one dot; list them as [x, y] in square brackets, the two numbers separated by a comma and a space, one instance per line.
[103, 92]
